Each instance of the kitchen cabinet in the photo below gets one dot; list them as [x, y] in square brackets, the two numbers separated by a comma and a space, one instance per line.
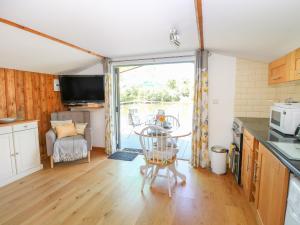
[295, 68]
[19, 155]
[272, 186]
[7, 162]
[247, 163]
[26, 149]
[279, 70]
[286, 68]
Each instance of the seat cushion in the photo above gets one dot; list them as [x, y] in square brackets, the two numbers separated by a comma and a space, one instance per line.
[70, 149]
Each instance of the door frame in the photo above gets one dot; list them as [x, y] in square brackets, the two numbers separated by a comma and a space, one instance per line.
[137, 62]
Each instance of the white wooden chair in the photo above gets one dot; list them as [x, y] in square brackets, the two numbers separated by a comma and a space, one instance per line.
[173, 121]
[134, 119]
[159, 152]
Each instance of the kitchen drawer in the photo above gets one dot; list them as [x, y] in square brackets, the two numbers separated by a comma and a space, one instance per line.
[248, 138]
[25, 126]
[5, 130]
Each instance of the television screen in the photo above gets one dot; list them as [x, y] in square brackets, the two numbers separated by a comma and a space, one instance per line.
[82, 89]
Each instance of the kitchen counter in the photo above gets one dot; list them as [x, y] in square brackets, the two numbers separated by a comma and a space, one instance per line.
[259, 128]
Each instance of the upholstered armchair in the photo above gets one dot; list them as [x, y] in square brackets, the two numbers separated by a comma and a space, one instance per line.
[71, 148]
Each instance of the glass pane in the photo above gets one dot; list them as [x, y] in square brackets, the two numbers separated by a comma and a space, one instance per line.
[276, 117]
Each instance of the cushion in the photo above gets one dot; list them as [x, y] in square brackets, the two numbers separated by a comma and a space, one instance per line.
[65, 130]
[55, 123]
[80, 127]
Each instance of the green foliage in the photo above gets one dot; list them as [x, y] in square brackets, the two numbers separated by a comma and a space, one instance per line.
[172, 92]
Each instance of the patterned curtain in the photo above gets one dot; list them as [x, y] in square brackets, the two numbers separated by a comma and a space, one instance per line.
[109, 122]
[200, 113]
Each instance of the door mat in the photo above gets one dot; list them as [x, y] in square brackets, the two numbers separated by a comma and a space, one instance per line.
[135, 150]
[125, 156]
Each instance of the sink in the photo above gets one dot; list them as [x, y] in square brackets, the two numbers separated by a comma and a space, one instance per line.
[290, 150]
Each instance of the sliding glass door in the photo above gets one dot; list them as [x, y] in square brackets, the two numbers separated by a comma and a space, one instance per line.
[143, 91]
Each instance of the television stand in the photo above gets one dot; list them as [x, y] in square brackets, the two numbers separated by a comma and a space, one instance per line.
[86, 106]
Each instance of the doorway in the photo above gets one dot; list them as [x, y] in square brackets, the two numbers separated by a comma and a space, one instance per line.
[145, 90]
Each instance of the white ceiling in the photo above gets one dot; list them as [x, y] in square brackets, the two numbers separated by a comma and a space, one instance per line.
[255, 29]
[113, 28]
[26, 51]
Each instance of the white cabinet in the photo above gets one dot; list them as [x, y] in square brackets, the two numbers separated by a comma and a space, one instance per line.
[19, 151]
[7, 161]
[26, 149]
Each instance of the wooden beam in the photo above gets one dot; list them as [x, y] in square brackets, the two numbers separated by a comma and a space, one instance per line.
[198, 5]
[13, 24]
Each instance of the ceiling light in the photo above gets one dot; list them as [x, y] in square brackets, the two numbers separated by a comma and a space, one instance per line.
[174, 37]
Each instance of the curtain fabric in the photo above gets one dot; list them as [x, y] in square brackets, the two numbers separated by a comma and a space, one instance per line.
[109, 137]
[200, 112]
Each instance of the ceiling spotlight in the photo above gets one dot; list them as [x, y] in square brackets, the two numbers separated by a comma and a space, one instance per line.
[174, 37]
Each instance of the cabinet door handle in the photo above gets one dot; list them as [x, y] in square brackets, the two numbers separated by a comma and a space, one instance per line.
[12, 155]
[17, 153]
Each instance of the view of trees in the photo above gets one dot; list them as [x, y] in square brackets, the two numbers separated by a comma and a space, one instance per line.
[171, 91]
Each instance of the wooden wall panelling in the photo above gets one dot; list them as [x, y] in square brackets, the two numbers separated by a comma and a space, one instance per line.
[35, 80]
[3, 111]
[28, 96]
[10, 93]
[20, 95]
[44, 114]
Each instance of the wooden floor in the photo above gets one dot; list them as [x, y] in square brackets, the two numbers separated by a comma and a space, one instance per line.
[108, 192]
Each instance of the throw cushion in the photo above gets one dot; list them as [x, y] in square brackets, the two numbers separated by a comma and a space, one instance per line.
[66, 130]
[80, 127]
[55, 123]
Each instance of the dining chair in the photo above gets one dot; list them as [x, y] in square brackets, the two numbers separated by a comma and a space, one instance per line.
[159, 152]
[173, 121]
[134, 119]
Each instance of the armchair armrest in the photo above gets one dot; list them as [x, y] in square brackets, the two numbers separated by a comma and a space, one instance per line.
[50, 140]
[88, 137]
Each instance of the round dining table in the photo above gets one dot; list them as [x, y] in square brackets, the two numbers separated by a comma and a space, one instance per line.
[175, 133]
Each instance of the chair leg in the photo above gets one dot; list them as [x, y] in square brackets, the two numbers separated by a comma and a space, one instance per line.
[51, 162]
[172, 168]
[145, 177]
[154, 175]
[89, 156]
[169, 182]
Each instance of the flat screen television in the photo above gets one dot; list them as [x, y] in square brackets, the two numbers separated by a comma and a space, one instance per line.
[82, 89]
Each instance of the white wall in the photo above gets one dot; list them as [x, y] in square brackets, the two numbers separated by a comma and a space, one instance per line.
[221, 71]
[97, 116]
[96, 69]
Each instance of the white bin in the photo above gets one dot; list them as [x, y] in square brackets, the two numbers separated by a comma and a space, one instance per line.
[218, 156]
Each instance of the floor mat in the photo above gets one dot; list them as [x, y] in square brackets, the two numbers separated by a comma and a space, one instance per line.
[135, 150]
[125, 156]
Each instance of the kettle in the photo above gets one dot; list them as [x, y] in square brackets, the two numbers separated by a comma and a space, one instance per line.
[297, 132]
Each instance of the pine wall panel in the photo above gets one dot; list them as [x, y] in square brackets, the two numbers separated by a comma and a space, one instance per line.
[29, 95]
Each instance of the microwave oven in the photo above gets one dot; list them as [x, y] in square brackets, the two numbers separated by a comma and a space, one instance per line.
[285, 117]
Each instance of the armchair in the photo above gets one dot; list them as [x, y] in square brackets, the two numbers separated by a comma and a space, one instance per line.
[70, 142]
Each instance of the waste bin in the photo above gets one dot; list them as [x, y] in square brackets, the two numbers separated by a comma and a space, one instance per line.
[218, 156]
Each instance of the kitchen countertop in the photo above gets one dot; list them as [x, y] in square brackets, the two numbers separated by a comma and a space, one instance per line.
[259, 128]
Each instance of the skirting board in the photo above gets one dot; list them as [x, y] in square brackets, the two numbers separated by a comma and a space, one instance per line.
[20, 175]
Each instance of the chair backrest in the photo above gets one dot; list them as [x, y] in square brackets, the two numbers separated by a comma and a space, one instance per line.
[173, 121]
[75, 116]
[158, 145]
